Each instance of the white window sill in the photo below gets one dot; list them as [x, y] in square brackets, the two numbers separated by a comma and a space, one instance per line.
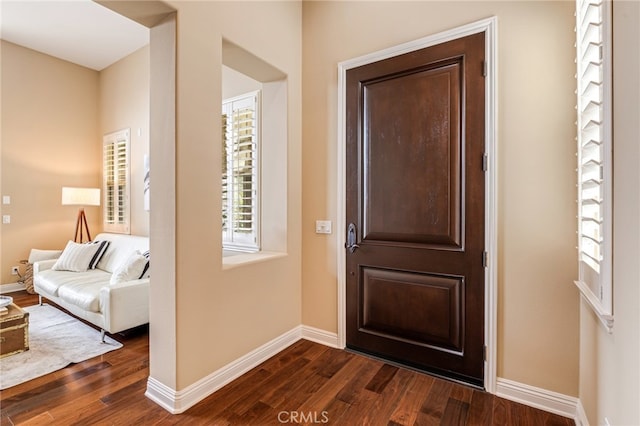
[594, 303]
[240, 259]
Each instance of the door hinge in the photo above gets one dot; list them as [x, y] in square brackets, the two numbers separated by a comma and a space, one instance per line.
[485, 259]
[484, 68]
[484, 353]
[485, 162]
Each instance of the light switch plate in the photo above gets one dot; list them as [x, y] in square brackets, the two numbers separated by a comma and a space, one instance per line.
[6, 219]
[323, 226]
[6, 199]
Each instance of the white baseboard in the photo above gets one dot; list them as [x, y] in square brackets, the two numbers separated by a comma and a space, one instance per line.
[581, 415]
[542, 399]
[177, 402]
[11, 288]
[319, 336]
[163, 395]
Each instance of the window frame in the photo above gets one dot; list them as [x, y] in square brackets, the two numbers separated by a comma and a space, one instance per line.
[112, 177]
[595, 275]
[231, 240]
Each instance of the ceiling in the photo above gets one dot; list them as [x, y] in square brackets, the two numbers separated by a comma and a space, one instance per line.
[78, 31]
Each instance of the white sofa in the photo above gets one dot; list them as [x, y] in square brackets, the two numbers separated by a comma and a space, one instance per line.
[90, 295]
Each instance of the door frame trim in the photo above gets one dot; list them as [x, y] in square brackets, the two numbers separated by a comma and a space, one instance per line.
[490, 27]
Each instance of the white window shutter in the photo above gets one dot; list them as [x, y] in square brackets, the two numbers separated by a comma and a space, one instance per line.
[116, 186]
[594, 136]
[240, 172]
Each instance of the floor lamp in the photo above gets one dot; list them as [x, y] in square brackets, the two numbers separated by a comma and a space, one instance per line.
[81, 197]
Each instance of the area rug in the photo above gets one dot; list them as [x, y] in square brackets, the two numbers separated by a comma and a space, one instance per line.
[55, 341]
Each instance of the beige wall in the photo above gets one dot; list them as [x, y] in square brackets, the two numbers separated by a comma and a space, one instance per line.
[610, 363]
[124, 103]
[162, 129]
[538, 304]
[221, 314]
[50, 139]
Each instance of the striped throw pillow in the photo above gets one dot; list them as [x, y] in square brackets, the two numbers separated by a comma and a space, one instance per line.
[76, 257]
[146, 272]
[103, 246]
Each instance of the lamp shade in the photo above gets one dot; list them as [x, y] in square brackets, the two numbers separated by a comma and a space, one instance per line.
[80, 196]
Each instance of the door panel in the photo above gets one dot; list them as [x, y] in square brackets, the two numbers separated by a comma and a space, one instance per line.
[415, 195]
[413, 152]
[431, 314]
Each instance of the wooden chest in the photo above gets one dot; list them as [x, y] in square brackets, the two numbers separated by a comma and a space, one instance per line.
[14, 331]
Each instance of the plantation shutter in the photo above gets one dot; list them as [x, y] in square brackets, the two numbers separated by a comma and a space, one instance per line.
[240, 172]
[116, 182]
[225, 171]
[594, 153]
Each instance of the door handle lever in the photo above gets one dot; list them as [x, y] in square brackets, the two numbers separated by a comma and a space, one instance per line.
[351, 238]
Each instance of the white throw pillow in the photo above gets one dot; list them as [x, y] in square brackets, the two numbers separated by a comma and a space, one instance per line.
[76, 257]
[130, 269]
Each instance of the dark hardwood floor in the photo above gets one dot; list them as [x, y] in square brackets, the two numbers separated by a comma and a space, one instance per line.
[305, 384]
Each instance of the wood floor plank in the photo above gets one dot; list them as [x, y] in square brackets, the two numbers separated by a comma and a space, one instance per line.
[338, 360]
[100, 382]
[307, 382]
[41, 419]
[215, 404]
[134, 384]
[87, 388]
[36, 401]
[291, 363]
[407, 409]
[360, 400]
[550, 419]
[461, 393]
[356, 389]
[480, 409]
[434, 404]
[323, 396]
[455, 413]
[518, 413]
[251, 416]
[73, 414]
[126, 412]
[293, 395]
[53, 380]
[382, 378]
[499, 412]
[277, 395]
[250, 400]
[334, 412]
[377, 409]
[109, 375]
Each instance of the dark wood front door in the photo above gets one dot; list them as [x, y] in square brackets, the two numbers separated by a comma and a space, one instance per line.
[415, 208]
